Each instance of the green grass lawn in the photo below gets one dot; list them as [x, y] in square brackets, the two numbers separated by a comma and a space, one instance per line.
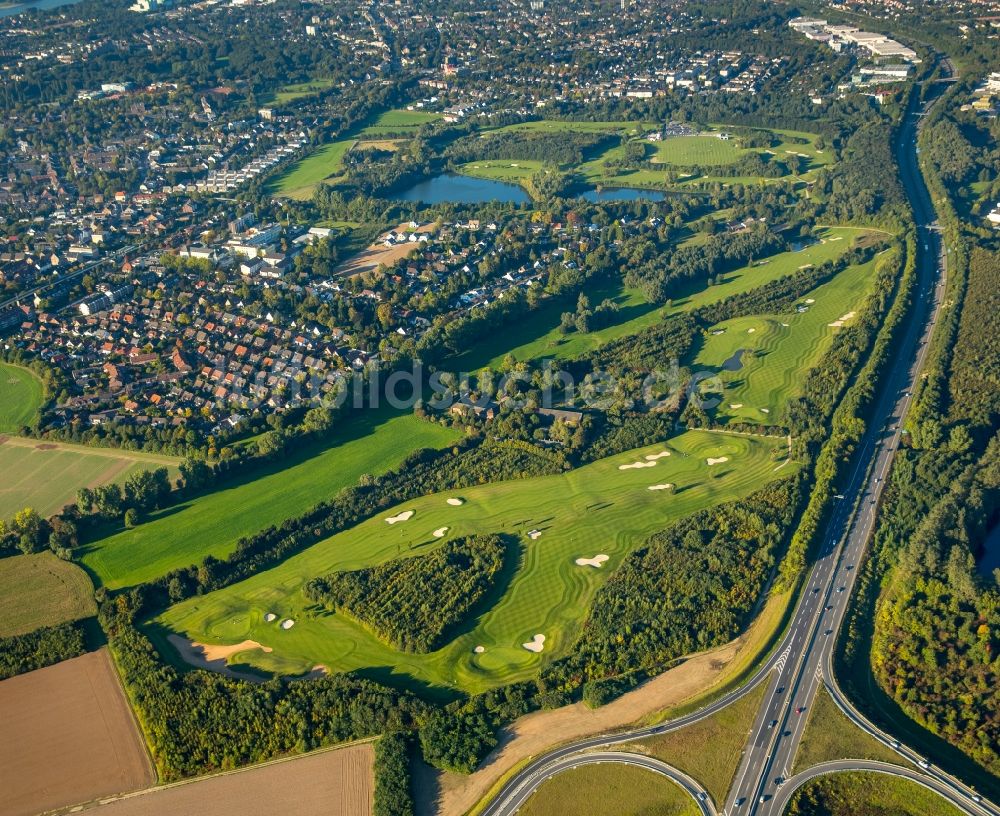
[610, 789]
[855, 793]
[710, 750]
[537, 336]
[298, 90]
[776, 351]
[399, 120]
[301, 177]
[598, 508]
[40, 590]
[830, 735]
[702, 149]
[21, 396]
[46, 476]
[370, 442]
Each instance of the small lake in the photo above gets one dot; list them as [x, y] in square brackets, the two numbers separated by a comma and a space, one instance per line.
[41, 5]
[991, 553]
[622, 194]
[451, 188]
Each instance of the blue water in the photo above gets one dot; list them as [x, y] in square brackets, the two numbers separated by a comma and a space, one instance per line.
[451, 188]
[622, 194]
[8, 11]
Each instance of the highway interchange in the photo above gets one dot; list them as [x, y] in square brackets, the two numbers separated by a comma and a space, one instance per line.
[803, 661]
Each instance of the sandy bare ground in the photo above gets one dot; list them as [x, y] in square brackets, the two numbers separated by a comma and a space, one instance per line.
[323, 783]
[212, 658]
[543, 730]
[378, 253]
[67, 736]
[717, 461]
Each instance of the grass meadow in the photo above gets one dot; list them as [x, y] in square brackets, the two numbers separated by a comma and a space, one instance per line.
[41, 590]
[537, 336]
[370, 442]
[21, 396]
[775, 352]
[596, 509]
[46, 476]
[609, 789]
[398, 121]
[301, 177]
[858, 792]
[297, 90]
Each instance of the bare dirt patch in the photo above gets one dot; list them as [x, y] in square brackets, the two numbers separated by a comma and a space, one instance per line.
[212, 657]
[68, 737]
[323, 783]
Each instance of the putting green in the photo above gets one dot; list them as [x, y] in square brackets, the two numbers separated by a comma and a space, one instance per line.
[599, 508]
[762, 360]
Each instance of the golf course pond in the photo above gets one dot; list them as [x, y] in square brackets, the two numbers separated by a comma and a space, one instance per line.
[454, 188]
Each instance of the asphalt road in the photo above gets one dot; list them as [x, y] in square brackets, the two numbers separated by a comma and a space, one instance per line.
[530, 783]
[796, 669]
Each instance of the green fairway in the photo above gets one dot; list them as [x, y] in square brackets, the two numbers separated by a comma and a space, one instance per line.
[610, 789]
[46, 476]
[370, 442]
[596, 509]
[299, 180]
[537, 336]
[703, 149]
[40, 590]
[762, 360]
[393, 121]
[298, 90]
[21, 396]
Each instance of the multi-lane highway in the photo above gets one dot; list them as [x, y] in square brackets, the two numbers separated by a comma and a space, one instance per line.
[803, 661]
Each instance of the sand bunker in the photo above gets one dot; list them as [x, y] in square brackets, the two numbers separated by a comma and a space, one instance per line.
[717, 332]
[288, 623]
[810, 300]
[533, 534]
[270, 617]
[456, 502]
[751, 330]
[440, 531]
[765, 410]
[596, 561]
[841, 320]
[667, 486]
[735, 405]
[479, 649]
[717, 461]
[637, 465]
[212, 657]
[536, 644]
[806, 266]
[652, 457]
[785, 325]
[406, 515]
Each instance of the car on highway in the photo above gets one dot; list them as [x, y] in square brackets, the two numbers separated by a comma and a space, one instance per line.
[828, 607]
[800, 709]
[828, 632]
[923, 763]
[779, 689]
[772, 723]
[841, 589]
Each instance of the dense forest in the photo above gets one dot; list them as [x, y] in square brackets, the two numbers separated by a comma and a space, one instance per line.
[414, 602]
[41, 648]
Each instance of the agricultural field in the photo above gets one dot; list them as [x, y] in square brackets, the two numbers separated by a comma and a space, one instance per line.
[761, 360]
[299, 180]
[610, 790]
[370, 442]
[605, 508]
[399, 121]
[537, 336]
[847, 794]
[69, 737]
[21, 396]
[41, 590]
[46, 476]
[298, 90]
[334, 782]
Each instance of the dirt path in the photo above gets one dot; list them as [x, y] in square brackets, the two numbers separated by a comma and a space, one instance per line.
[542, 730]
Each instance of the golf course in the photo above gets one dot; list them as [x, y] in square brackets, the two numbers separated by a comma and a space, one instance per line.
[762, 360]
[538, 337]
[563, 525]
